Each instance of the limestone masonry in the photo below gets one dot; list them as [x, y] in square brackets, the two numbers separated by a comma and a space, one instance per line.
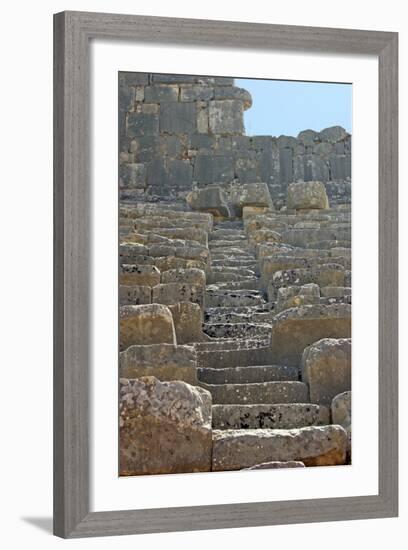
[235, 284]
[180, 132]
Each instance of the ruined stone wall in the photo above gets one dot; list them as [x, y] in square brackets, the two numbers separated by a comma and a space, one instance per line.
[180, 132]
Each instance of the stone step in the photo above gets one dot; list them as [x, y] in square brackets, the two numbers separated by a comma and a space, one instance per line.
[221, 298]
[239, 244]
[232, 270]
[248, 375]
[283, 416]
[249, 263]
[231, 255]
[267, 307]
[227, 358]
[240, 251]
[257, 393]
[237, 330]
[231, 276]
[227, 235]
[228, 344]
[246, 283]
[230, 224]
[232, 317]
[312, 445]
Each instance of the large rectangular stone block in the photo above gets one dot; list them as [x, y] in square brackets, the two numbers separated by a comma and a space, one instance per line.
[133, 79]
[180, 174]
[157, 437]
[296, 328]
[326, 368]
[213, 169]
[142, 124]
[133, 175]
[145, 324]
[226, 116]
[172, 293]
[178, 118]
[312, 445]
[161, 94]
[285, 165]
[282, 416]
[135, 295]
[196, 93]
[133, 274]
[164, 361]
[188, 319]
[266, 392]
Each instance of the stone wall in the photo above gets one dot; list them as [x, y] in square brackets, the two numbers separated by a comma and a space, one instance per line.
[181, 132]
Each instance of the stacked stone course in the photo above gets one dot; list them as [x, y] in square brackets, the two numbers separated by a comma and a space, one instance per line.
[181, 132]
[235, 303]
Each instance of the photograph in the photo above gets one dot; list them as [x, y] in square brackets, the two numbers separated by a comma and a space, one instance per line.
[234, 273]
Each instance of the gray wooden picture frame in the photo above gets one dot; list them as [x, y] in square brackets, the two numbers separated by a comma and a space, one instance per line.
[72, 203]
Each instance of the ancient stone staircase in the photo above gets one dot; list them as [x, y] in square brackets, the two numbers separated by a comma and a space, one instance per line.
[246, 393]
[231, 307]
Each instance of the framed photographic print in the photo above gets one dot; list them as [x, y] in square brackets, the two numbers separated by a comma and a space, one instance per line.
[225, 217]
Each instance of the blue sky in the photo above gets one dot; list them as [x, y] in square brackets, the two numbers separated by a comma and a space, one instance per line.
[282, 107]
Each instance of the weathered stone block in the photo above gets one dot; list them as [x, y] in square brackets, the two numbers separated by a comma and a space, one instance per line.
[189, 275]
[315, 168]
[171, 262]
[129, 251]
[178, 118]
[142, 124]
[213, 169]
[171, 146]
[188, 319]
[307, 195]
[172, 293]
[135, 295]
[260, 393]
[286, 165]
[251, 194]
[133, 175]
[165, 427]
[164, 361]
[126, 99]
[340, 167]
[283, 416]
[232, 92]
[180, 174]
[162, 93]
[341, 414]
[196, 93]
[333, 134]
[131, 274]
[294, 296]
[199, 253]
[202, 141]
[133, 79]
[202, 117]
[144, 148]
[209, 199]
[322, 275]
[335, 291]
[226, 116]
[264, 235]
[296, 328]
[326, 367]
[246, 169]
[308, 137]
[313, 445]
[146, 324]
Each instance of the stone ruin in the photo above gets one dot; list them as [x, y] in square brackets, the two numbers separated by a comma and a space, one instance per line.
[235, 285]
